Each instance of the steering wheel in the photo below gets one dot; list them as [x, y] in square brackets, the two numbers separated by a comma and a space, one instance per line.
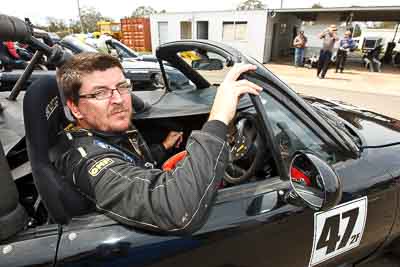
[246, 148]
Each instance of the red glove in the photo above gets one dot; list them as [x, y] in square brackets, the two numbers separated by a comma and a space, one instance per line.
[171, 163]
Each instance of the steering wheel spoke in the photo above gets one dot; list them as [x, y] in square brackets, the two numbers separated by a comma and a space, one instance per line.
[246, 148]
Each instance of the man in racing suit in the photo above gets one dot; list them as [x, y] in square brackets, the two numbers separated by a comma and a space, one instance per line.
[108, 161]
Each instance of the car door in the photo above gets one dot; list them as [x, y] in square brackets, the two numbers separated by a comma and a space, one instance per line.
[34, 246]
[360, 223]
[252, 224]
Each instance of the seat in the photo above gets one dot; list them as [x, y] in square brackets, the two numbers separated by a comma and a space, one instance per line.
[13, 217]
[44, 118]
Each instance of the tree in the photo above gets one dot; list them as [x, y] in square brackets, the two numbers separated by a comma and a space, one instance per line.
[386, 25]
[317, 5]
[382, 25]
[251, 5]
[357, 31]
[90, 16]
[144, 11]
[55, 25]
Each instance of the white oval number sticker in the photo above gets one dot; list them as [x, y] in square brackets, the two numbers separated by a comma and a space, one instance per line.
[338, 230]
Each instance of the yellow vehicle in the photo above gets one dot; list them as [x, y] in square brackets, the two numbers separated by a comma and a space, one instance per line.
[189, 55]
[110, 28]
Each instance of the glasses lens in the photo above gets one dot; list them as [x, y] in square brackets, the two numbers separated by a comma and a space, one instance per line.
[103, 94]
[124, 88]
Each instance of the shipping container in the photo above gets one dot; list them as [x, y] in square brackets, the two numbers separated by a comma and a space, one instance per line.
[136, 33]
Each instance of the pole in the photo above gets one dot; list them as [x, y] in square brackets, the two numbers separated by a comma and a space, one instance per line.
[397, 29]
[25, 75]
[281, 3]
[80, 17]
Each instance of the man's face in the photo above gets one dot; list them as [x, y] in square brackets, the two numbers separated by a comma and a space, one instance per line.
[109, 115]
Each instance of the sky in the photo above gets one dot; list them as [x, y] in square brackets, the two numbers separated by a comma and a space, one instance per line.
[38, 10]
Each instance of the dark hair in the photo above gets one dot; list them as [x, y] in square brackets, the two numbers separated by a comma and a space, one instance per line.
[69, 75]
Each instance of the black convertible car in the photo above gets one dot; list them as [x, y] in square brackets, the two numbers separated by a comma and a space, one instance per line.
[309, 182]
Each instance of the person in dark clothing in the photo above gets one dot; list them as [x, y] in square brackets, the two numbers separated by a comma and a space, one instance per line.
[107, 160]
[329, 38]
[345, 46]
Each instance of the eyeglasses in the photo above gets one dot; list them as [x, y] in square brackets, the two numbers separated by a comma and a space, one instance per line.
[105, 93]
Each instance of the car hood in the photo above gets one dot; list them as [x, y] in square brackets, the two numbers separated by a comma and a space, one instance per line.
[374, 129]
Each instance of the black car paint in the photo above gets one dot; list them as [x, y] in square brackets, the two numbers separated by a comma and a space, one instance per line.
[250, 225]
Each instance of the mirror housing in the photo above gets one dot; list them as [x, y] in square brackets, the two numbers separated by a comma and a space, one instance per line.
[314, 182]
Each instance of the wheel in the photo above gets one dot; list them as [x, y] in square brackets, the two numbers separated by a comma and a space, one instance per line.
[246, 148]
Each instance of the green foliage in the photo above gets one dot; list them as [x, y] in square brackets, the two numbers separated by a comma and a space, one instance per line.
[55, 25]
[317, 5]
[90, 16]
[144, 11]
[251, 5]
[357, 31]
[382, 25]
[60, 26]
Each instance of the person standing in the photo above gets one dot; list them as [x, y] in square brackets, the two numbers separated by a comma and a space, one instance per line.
[329, 37]
[299, 44]
[345, 45]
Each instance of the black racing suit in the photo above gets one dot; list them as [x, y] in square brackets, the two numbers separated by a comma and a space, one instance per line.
[122, 185]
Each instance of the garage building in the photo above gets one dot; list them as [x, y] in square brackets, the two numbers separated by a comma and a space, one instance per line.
[263, 34]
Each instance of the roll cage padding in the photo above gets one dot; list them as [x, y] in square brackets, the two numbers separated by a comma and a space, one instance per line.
[44, 118]
[13, 29]
[169, 52]
[13, 217]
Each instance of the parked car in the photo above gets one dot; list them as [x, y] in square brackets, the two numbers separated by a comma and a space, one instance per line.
[310, 182]
[124, 51]
[144, 74]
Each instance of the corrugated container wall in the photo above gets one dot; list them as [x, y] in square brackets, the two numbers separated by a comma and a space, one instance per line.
[136, 33]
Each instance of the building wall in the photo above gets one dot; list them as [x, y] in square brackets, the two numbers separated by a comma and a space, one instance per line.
[279, 41]
[253, 45]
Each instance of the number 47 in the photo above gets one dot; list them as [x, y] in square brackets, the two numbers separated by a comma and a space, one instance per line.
[330, 233]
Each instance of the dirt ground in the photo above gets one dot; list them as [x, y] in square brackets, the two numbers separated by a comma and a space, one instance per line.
[354, 78]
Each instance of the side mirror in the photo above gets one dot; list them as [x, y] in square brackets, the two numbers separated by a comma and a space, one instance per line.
[314, 182]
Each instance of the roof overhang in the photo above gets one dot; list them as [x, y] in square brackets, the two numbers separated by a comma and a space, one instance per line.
[389, 13]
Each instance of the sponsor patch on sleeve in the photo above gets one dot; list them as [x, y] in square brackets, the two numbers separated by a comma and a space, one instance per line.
[99, 166]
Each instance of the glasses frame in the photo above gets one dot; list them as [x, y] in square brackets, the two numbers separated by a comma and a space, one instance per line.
[96, 96]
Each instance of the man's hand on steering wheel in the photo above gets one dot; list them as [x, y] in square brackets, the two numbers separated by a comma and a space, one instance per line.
[229, 92]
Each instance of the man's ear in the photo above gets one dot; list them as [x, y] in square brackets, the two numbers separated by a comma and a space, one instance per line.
[74, 109]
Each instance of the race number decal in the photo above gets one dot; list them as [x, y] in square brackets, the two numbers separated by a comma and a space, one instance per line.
[338, 230]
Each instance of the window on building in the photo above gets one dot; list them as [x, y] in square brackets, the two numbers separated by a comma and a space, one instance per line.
[234, 31]
[202, 30]
[186, 30]
[283, 28]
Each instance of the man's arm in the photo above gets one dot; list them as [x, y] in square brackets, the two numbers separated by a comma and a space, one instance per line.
[296, 41]
[177, 201]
